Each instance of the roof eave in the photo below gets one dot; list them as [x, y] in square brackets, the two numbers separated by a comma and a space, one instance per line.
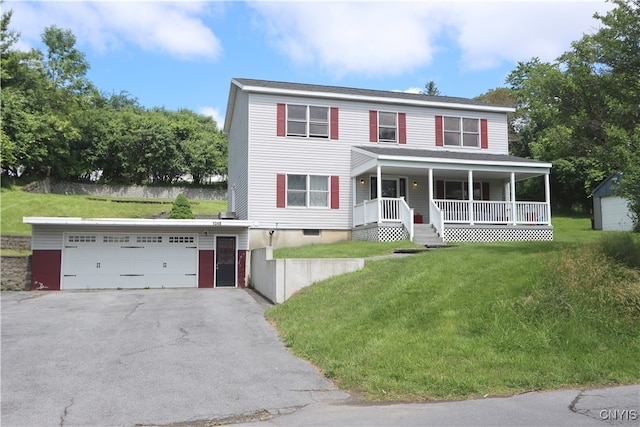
[142, 222]
[377, 99]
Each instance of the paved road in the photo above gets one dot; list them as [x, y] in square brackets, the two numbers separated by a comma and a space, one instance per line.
[619, 406]
[145, 357]
[195, 357]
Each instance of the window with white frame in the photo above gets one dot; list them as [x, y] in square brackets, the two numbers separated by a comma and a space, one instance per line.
[461, 132]
[387, 126]
[307, 191]
[307, 121]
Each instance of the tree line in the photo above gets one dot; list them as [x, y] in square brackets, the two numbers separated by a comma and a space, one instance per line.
[582, 111]
[56, 123]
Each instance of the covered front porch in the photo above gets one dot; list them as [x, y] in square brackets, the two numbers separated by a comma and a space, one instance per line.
[397, 192]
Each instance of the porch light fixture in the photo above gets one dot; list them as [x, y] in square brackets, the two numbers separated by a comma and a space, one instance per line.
[415, 184]
[362, 181]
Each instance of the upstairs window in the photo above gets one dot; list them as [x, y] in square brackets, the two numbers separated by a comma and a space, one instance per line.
[461, 132]
[387, 126]
[307, 121]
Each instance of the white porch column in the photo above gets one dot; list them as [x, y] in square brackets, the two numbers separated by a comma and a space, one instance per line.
[512, 188]
[430, 186]
[470, 191]
[379, 192]
[547, 198]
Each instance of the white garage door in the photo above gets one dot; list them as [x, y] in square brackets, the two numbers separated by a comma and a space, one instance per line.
[111, 261]
[615, 214]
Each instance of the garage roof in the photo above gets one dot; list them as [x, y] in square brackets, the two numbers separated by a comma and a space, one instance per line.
[161, 222]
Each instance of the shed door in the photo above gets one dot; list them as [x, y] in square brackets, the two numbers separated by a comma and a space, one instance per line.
[111, 261]
[615, 214]
[225, 261]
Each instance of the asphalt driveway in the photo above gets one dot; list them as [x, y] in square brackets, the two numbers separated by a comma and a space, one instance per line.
[146, 357]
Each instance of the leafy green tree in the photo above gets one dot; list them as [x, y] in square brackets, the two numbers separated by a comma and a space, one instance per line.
[582, 111]
[56, 123]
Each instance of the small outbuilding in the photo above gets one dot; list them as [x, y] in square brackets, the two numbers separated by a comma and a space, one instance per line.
[610, 211]
[114, 253]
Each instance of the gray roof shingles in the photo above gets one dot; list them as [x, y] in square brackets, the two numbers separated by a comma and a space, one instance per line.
[360, 92]
[443, 154]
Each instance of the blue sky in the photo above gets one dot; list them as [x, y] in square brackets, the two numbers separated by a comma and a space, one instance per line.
[184, 54]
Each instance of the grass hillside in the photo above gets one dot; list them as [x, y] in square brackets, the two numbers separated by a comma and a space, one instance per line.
[16, 204]
[477, 319]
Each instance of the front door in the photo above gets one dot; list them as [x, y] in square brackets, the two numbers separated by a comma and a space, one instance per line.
[225, 261]
[391, 187]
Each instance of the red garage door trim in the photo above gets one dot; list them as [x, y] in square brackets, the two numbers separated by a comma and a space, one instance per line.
[206, 266]
[46, 267]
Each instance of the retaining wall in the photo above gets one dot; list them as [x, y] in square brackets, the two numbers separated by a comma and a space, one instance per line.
[15, 242]
[136, 191]
[278, 279]
[15, 273]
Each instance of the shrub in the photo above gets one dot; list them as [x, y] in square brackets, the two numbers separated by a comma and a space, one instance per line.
[181, 209]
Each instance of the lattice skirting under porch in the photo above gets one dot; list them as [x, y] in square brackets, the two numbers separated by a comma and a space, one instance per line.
[497, 234]
[379, 233]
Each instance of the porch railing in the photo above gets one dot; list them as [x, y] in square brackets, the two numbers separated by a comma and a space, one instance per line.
[452, 212]
[384, 210]
[436, 217]
[493, 212]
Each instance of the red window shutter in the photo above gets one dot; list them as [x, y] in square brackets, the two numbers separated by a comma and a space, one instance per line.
[439, 189]
[335, 192]
[281, 120]
[281, 191]
[373, 126]
[484, 134]
[486, 189]
[402, 128]
[439, 132]
[334, 123]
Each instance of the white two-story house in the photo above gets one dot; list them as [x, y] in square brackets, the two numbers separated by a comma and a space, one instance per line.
[311, 164]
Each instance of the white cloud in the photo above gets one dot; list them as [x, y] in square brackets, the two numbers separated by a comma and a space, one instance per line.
[390, 38]
[213, 112]
[493, 32]
[372, 38]
[172, 27]
[410, 90]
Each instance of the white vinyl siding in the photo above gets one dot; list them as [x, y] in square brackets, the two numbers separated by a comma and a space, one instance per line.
[616, 215]
[270, 155]
[51, 237]
[239, 158]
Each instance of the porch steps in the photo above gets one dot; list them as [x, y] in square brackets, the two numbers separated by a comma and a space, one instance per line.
[426, 235]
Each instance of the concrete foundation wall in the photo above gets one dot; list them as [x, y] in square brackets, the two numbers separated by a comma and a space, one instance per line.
[136, 191]
[278, 279]
[15, 273]
[281, 238]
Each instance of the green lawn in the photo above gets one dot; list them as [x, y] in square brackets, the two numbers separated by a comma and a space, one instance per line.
[16, 204]
[348, 249]
[474, 320]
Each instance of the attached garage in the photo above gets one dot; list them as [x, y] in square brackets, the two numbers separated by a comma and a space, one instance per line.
[76, 253]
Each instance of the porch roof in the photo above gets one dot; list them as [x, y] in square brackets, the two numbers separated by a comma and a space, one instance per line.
[402, 160]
